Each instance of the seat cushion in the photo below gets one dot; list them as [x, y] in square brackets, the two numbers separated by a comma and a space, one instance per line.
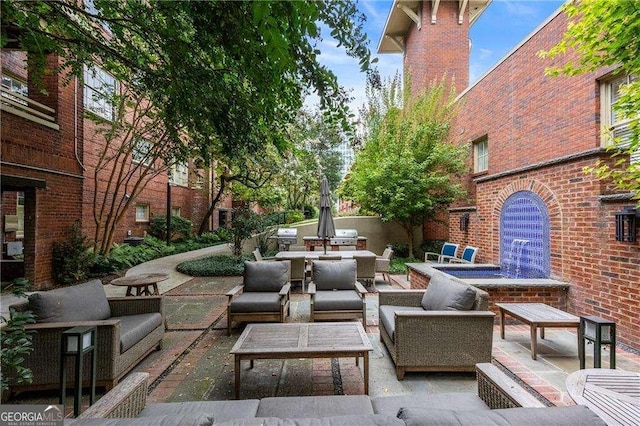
[386, 314]
[339, 300]
[445, 294]
[220, 410]
[461, 401]
[348, 420]
[82, 302]
[193, 419]
[266, 276]
[339, 275]
[314, 406]
[550, 416]
[256, 302]
[134, 328]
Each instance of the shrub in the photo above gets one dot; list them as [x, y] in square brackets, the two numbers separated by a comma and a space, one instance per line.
[220, 265]
[310, 211]
[400, 250]
[15, 342]
[180, 227]
[294, 216]
[432, 246]
[72, 259]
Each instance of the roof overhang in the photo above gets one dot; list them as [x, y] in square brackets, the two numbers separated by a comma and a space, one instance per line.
[405, 13]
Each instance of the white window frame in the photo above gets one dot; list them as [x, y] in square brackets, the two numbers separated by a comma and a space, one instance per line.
[179, 174]
[142, 213]
[20, 214]
[481, 155]
[176, 211]
[15, 85]
[612, 127]
[99, 88]
[140, 151]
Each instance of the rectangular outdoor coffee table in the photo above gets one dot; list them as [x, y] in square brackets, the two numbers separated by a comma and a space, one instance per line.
[302, 340]
[537, 315]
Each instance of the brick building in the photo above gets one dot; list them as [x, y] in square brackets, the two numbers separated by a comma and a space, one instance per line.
[49, 153]
[530, 137]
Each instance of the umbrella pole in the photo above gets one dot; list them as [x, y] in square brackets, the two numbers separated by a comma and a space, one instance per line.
[324, 244]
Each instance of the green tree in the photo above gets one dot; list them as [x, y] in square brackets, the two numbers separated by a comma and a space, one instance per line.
[405, 171]
[229, 75]
[606, 34]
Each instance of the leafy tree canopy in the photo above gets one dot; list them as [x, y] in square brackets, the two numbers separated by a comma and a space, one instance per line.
[229, 74]
[406, 169]
[607, 34]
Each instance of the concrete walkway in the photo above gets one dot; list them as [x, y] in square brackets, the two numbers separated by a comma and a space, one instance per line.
[167, 265]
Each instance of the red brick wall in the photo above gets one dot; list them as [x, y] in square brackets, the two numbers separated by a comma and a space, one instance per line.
[531, 119]
[447, 51]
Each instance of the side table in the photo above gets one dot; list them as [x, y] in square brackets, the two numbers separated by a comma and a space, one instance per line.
[143, 284]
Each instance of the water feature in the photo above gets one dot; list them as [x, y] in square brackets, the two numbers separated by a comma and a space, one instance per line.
[513, 266]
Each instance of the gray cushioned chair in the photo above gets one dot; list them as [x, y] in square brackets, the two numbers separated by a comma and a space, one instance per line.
[446, 327]
[129, 328]
[264, 295]
[335, 293]
[383, 264]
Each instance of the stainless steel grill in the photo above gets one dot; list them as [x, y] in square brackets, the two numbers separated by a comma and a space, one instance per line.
[286, 237]
[345, 237]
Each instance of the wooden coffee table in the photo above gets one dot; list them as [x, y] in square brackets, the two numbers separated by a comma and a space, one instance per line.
[302, 340]
[614, 395]
[537, 315]
[144, 284]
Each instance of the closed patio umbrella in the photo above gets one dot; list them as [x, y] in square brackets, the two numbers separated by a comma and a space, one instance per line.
[326, 229]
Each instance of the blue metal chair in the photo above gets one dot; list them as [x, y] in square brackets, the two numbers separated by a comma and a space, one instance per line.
[468, 255]
[449, 250]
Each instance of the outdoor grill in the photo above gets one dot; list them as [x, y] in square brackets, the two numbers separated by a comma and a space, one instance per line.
[286, 237]
[345, 237]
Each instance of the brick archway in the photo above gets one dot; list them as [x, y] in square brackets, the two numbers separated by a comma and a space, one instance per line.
[555, 217]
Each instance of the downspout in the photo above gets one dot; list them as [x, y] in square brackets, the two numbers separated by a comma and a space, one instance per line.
[75, 122]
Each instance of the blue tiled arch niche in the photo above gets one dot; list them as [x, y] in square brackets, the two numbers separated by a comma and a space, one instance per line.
[524, 236]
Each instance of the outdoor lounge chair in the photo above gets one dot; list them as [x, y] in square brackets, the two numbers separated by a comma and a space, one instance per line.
[448, 251]
[468, 256]
[383, 263]
[448, 327]
[264, 295]
[335, 293]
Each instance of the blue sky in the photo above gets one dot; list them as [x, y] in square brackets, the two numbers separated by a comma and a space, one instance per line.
[502, 26]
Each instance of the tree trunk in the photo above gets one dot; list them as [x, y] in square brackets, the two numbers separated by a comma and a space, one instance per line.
[212, 207]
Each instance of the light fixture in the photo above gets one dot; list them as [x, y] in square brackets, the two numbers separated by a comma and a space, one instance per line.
[600, 332]
[77, 342]
[464, 222]
[626, 224]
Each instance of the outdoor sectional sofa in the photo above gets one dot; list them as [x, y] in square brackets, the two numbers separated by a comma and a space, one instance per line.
[128, 329]
[500, 401]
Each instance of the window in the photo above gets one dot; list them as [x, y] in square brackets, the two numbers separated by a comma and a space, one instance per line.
[481, 155]
[615, 128]
[179, 174]
[99, 89]
[141, 152]
[14, 85]
[142, 213]
[175, 211]
[20, 214]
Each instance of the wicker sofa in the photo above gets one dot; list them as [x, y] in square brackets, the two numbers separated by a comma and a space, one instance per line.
[446, 327]
[499, 401]
[129, 328]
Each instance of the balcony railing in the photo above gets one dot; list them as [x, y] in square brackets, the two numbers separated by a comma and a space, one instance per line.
[22, 106]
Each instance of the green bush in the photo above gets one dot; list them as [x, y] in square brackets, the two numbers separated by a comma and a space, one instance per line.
[72, 259]
[398, 266]
[220, 265]
[294, 216]
[180, 227]
[400, 250]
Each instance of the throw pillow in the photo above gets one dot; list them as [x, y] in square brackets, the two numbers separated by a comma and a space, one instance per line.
[82, 302]
[445, 294]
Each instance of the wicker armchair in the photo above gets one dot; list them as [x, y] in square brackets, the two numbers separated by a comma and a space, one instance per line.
[115, 356]
[434, 340]
[383, 264]
[366, 269]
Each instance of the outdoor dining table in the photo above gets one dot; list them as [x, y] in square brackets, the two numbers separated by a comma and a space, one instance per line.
[315, 255]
